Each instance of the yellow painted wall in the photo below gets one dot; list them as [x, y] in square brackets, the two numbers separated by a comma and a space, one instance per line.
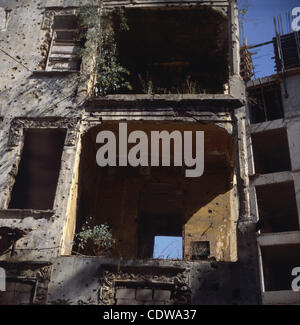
[209, 207]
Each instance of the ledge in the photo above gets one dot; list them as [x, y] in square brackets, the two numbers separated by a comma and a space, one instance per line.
[138, 267]
[283, 297]
[215, 4]
[281, 238]
[266, 126]
[54, 73]
[159, 101]
[138, 283]
[271, 178]
[112, 263]
[24, 264]
[74, 4]
[20, 213]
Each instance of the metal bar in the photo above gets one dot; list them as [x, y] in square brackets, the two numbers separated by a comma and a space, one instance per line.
[297, 44]
[264, 101]
[280, 52]
[258, 45]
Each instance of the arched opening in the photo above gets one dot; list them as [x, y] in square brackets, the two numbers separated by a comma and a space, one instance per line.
[140, 203]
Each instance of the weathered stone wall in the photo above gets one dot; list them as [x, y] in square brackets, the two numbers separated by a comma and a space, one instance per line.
[33, 98]
[95, 280]
[292, 103]
[26, 283]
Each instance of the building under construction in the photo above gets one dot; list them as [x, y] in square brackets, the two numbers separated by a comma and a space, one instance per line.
[273, 126]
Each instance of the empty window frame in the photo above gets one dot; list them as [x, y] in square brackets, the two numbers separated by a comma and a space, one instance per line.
[278, 262]
[200, 250]
[265, 103]
[65, 44]
[277, 208]
[8, 238]
[160, 214]
[18, 292]
[271, 152]
[174, 51]
[39, 168]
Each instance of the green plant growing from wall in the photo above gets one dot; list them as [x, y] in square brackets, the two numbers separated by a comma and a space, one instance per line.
[97, 238]
[96, 25]
[147, 85]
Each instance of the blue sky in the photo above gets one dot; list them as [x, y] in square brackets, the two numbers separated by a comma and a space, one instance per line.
[167, 247]
[259, 28]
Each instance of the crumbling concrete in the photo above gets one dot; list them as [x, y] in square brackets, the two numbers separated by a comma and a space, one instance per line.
[216, 208]
[93, 280]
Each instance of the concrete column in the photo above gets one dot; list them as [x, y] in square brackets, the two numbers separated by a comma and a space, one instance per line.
[242, 163]
[296, 177]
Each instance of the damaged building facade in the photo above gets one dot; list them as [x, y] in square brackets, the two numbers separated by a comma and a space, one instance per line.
[183, 58]
[273, 133]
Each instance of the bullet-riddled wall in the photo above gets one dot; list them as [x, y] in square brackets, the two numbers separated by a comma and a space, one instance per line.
[209, 212]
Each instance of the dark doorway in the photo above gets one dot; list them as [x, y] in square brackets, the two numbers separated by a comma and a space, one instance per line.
[36, 182]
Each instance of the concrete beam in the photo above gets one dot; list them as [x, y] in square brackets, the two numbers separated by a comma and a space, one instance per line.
[272, 178]
[282, 238]
[283, 297]
[266, 126]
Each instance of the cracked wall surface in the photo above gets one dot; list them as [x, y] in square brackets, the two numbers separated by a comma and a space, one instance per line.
[215, 207]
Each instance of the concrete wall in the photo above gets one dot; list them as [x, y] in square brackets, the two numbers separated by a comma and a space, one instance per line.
[78, 279]
[291, 123]
[292, 103]
[33, 98]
